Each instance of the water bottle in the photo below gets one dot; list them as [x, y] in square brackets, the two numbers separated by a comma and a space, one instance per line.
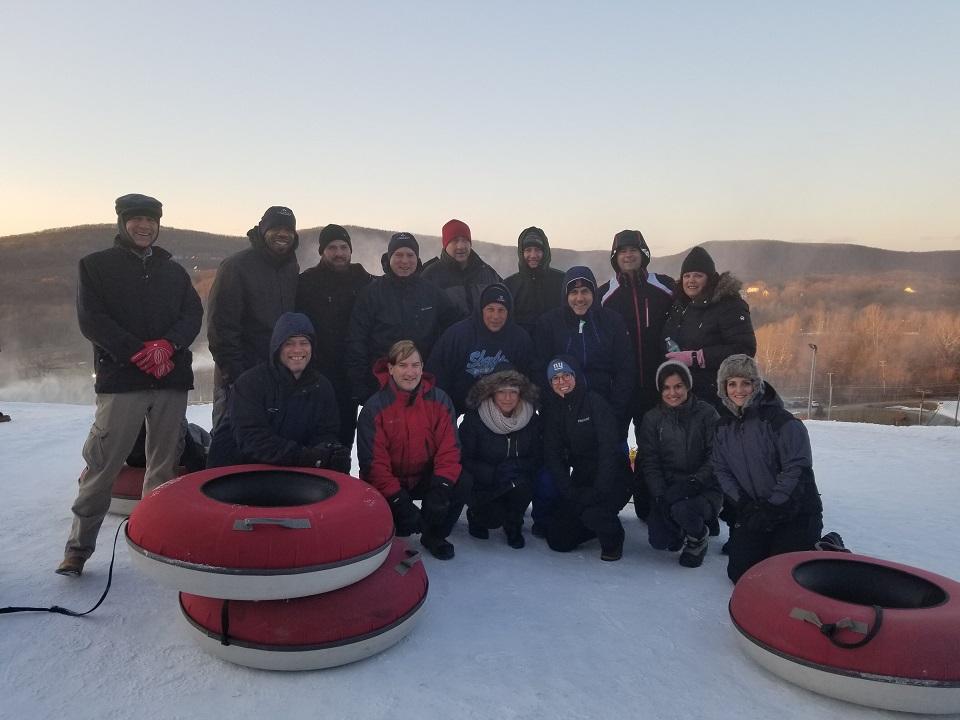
[671, 345]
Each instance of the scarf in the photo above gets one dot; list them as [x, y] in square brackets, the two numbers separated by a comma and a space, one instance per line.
[499, 423]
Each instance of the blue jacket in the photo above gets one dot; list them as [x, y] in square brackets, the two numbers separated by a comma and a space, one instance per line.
[764, 454]
[272, 416]
[601, 345]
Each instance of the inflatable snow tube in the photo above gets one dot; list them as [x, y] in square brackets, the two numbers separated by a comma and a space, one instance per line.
[127, 489]
[260, 532]
[864, 630]
[314, 632]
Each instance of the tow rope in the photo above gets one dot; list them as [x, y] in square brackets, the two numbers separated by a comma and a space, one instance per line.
[66, 611]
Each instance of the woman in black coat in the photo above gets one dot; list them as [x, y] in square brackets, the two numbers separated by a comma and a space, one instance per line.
[501, 448]
[676, 438]
[584, 457]
[708, 323]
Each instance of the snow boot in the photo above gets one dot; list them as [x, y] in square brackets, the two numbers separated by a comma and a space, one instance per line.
[438, 547]
[611, 549]
[693, 550]
[71, 565]
[5, 418]
[831, 542]
[476, 528]
[514, 536]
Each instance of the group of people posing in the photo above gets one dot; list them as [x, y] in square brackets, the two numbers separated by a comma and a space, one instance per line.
[547, 370]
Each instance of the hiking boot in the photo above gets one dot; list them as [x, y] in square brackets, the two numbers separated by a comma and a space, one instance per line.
[438, 547]
[478, 531]
[71, 565]
[713, 525]
[693, 551]
[831, 542]
[515, 537]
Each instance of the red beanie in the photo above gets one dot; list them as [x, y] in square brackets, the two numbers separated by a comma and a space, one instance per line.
[454, 229]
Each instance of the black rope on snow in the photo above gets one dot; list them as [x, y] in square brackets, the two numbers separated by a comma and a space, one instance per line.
[65, 611]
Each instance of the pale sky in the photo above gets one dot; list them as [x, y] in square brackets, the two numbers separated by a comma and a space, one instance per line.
[690, 121]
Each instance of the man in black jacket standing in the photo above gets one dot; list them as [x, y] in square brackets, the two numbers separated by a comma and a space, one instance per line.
[536, 287]
[458, 270]
[326, 294]
[140, 310]
[253, 288]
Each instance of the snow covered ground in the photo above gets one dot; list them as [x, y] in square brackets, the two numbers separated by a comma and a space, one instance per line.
[505, 633]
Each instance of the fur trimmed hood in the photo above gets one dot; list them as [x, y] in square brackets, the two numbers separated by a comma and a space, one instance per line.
[722, 287]
[486, 386]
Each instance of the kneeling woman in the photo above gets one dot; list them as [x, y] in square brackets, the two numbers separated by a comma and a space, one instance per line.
[407, 447]
[676, 438]
[762, 459]
[502, 451]
[585, 458]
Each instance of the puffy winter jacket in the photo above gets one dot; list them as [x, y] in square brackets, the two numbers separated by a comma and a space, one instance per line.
[327, 297]
[496, 461]
[462, 285]
[581, 448]
[764, 454]
[273, 416]
[252, 289]
[403, 437]
[719, 324]
[643, 301]
[675, 445]
[599, 342]
[124, 300]
[390, 309]
[535, 291]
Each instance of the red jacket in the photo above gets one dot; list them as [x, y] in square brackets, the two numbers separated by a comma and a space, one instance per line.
[403, 437]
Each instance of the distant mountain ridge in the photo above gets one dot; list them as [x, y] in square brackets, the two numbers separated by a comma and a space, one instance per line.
[53, 254]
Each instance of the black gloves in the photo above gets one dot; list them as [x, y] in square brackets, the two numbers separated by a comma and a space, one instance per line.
[330, 455]
[760, 516]
[691, 487]
[436, 502]
[406, 517]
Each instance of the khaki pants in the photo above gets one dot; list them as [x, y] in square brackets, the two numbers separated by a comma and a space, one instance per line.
[115, 429]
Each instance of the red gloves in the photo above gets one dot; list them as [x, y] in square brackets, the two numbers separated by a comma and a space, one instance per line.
[687, 357]
[154, 358]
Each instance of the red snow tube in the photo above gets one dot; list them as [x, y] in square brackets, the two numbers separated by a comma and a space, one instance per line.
[857, 628]
[127, 489]
[314, 632]
[260, 532]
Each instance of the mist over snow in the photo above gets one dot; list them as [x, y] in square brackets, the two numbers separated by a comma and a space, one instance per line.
[505, 633]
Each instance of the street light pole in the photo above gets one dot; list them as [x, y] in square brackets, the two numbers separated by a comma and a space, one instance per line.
[830, 396]
[813, 370]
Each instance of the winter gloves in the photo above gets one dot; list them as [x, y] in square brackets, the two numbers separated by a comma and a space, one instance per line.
[329, 455]
[436, 502]
[406, 516]
[154, 358]
[688, 357]
[760, 516]
[691, 487]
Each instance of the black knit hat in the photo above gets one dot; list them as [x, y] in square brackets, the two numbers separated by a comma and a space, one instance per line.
[629, 238]
[698, 260]
[334, 232]
[532, 237]
[134, 204]
[496, 293]
[277, 216]
[403, 239]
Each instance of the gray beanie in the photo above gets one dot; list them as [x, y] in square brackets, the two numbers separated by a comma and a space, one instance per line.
[672, 367]
[742, 366]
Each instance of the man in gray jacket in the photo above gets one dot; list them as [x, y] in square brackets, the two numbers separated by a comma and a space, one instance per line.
[253, 288]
